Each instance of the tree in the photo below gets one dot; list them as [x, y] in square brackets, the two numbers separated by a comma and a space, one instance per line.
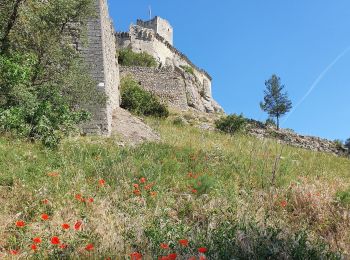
[347, 144]
[44, 84]
[276, 103]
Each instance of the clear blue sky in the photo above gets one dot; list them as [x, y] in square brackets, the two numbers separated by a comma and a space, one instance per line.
[241, 43]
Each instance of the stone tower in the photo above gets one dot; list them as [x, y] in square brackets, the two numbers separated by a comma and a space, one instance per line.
[160, 26]
[100, 55]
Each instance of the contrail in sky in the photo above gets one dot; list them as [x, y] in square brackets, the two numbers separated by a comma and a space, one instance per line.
[319, 78]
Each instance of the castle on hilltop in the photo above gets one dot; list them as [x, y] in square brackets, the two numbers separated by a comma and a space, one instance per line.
[176, 80]
[176, 86]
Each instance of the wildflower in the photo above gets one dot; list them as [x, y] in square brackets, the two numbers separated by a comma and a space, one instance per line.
[20, 224]
[91, 200]
[172, 256]
[143, 180]
[202, 257]
[153, 193]
[89, 247]
[202, 250]
[77, 225]
[37, 240]
[164, 246]
[136, 186]
[53, 174]
[79, 197]
[183, 242]
[137, 192]
[194, 191]
[101, 182]
[55, 240]
[65, 226]
[44, 216]
[45, 201]
[63, 246]
[34, 247]
[283, 203]
[14, 252]
[136, 256]
[192, 258]
[190, 174]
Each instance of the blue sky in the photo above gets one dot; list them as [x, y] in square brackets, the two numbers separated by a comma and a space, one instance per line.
[241, 43]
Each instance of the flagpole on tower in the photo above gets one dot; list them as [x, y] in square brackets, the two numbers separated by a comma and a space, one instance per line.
[150, 12]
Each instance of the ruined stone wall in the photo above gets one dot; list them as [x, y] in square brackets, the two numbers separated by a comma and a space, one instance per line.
[100, 55]
[178, 89]
[160, 26]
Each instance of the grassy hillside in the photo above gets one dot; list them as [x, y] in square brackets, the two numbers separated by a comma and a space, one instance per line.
[237, 196]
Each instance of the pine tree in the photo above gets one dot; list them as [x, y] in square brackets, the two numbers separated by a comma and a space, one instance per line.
[276, 102]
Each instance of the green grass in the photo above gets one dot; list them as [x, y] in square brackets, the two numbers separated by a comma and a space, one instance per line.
[216, 190]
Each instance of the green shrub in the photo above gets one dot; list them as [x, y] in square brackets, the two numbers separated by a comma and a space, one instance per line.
[270, 122]
[188, 69]
[338, 143]
[126, 57]
[344, 197]
[231, 124]
[140, 101]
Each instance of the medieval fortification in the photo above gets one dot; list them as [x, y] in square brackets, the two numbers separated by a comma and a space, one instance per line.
[169, 81]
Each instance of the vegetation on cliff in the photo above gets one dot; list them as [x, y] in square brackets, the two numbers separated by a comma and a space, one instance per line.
[232, 196]
[126, 57]
[140, 101]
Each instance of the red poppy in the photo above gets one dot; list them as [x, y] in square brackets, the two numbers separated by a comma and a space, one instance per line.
[136, 186]
[143, 180]
[34, 247]
[136, 256]
[283, 204]
[79, 197]
[55, 240]
[183, 242]
[37, 240]
[101, 182]
[194, 191]
[65, 226]
[63, 246]
[45, 201]
[44, 216]
[20, 224]
[77, 225]
[192, 258]
[91, 200]
[202, 250]
[53, 174]
[172, 256]
[14, 252]
[137, 192]
[164, 246]
[89, 247]
[163, 258]
[202, 257]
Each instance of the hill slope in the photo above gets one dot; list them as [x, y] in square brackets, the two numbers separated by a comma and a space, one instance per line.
[237, 196]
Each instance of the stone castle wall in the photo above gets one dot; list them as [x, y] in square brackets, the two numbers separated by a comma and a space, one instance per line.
[100, 56]
[144, 38]
[178, 89]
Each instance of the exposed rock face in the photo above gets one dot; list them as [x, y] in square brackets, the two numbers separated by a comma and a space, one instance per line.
[176, 87]
[290, 138]
[132, 129]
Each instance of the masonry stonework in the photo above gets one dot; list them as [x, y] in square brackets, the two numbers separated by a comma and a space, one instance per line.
[152, 37]
[100, 56]
[175, 87]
